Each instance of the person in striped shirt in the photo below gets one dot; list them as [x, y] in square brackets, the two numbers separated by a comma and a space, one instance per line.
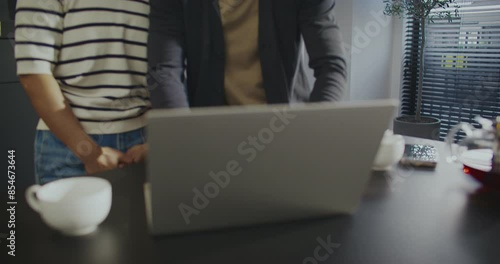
[83, 65]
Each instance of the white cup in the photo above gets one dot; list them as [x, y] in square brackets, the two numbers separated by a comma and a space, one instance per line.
[74, 206]
[390, 152]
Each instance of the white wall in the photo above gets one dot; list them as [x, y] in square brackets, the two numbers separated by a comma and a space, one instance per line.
[343, 14]
[374, 46]
[397, 58]
[373, 43]
[371, 51]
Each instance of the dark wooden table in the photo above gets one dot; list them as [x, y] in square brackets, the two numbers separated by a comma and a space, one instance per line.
[407, 216]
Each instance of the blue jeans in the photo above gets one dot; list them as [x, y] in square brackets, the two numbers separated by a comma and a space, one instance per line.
[53, 160]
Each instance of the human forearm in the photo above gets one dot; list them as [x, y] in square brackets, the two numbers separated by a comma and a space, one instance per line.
[52, 107]
[325, 48]
[167, 90]
[166, 54]
[330, 83]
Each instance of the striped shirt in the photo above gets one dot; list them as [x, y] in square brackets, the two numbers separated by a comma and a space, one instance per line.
[96, 50]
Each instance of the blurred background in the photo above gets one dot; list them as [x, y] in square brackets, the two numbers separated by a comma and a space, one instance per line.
[17, 118]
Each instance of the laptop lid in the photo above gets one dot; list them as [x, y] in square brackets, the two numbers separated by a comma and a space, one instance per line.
[210, 168]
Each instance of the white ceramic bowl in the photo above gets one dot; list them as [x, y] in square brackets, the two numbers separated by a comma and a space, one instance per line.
[74, 206]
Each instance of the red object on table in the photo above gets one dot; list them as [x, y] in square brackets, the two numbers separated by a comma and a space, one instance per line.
[488, 179]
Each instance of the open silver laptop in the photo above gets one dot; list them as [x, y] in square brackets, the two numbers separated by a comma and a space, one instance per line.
[212, 168]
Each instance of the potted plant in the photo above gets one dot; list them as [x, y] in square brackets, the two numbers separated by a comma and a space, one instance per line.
[421, 11]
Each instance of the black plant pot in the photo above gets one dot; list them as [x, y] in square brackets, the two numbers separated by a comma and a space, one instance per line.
[427, 127]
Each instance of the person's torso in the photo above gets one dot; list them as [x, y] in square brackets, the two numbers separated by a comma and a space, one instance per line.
[279, 46]
[102, 62]
[243, 73]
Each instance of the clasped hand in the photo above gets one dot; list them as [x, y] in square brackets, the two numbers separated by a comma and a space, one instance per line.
[109, 159]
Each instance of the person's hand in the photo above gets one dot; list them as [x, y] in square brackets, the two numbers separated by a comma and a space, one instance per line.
[135, 154]
[106, 159]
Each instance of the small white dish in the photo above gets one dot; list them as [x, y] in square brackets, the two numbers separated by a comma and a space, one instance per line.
[479, 159]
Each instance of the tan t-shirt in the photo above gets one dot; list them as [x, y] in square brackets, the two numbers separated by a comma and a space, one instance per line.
[243, 73]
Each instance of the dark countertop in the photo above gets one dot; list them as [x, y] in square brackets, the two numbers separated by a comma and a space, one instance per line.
[406, 216]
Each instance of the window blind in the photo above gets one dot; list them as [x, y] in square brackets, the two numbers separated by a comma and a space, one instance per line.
[461, 65]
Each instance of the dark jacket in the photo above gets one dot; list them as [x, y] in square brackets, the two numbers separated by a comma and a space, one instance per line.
[186, 39]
